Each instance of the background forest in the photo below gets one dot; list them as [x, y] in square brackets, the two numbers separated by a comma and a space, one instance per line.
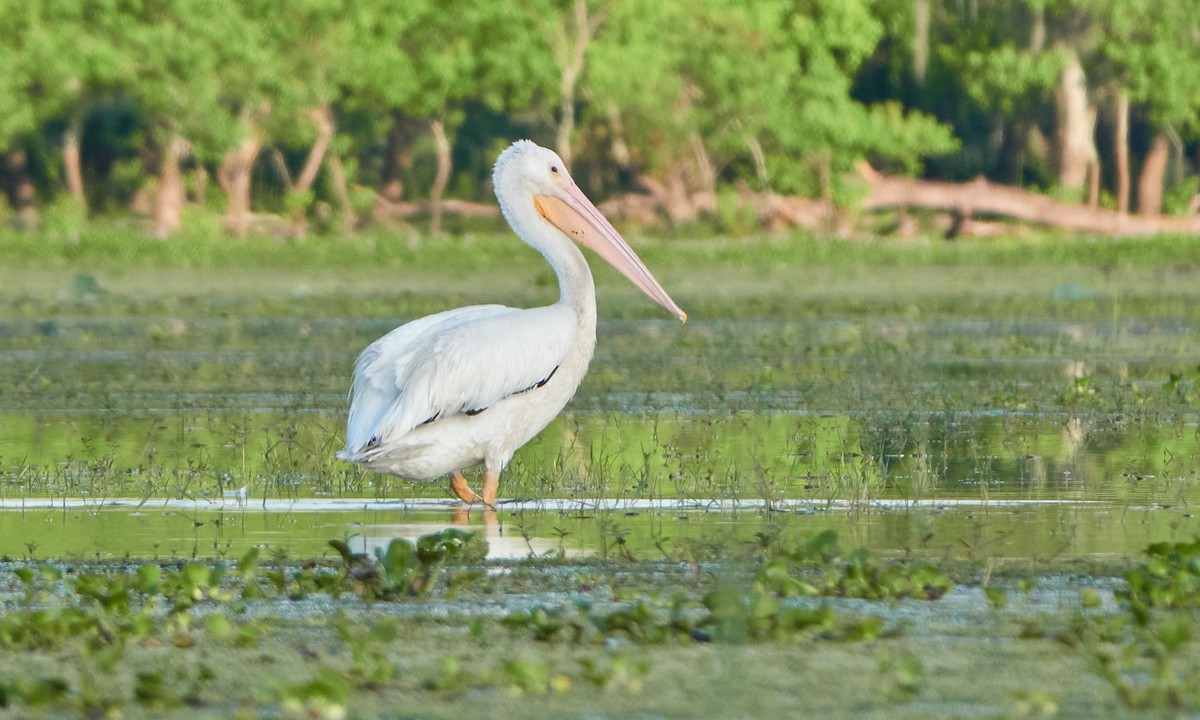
[331, 115]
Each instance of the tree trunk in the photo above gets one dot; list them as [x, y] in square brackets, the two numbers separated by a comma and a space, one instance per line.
[824, 165]
[1075, 144]
[1093, 197]
[323, 118]
[1150, 181]
[19, 188]
[338, 173]
[920, 49]
[620, 148]
[72, 168]
[442, 143]
[760, 162]
[200, 187]
[1121, 151]
[1037, 33]
[236, 170]
[169, 192]
[398, 157]
[566, 119]
[570, 56]
[235, 178]
[1093, 166]
[281, 168]
[705, 200]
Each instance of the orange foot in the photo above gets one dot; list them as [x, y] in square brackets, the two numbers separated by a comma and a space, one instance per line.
[491, 484]
[458, 485]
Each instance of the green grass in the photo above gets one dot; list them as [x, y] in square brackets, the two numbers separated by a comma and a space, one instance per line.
[117, 247]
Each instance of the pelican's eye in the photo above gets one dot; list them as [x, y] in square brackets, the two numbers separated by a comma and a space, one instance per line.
[554, 169]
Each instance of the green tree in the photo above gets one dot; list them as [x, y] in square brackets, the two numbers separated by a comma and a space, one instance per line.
[171, 63]
[415, 61]
[301, 87]
[721, 86]
[1151, 52]
[55, 66]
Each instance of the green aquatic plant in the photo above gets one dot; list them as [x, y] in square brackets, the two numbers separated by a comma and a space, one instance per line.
[408, 569]
[642, 619]
[370, 666]
[735, 612]
[1147, 662]
[821, 567]
[537, 677]
[1168, 578]
[1147, 654]
[902, 672]
[737, 616]
[617, 673]
[323, 697]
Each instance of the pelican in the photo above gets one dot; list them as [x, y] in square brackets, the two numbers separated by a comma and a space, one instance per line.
[469, 386]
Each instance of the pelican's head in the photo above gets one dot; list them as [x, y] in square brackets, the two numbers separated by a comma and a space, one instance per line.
[529, 165]
[529, 173]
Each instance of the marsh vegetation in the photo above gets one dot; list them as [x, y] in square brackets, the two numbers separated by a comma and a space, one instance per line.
[863, 476]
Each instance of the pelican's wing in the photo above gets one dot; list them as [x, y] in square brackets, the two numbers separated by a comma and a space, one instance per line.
[452, 362]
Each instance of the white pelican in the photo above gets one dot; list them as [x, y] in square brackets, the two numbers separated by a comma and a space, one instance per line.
[468, 386]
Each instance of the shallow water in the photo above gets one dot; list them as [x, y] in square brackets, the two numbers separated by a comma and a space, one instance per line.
[1057, 425]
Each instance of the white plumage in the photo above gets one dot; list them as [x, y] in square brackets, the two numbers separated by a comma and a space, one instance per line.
[471, 385]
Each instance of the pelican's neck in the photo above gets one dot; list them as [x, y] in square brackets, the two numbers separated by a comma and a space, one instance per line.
[576, 288]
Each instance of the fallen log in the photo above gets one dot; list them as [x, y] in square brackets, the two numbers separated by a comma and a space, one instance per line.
[964, 201]
[980, 196]
[387, 209]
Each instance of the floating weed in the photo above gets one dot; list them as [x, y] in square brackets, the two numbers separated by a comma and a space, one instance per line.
[323, 697]
[903, 673]
[1147, 655]
[36, 692]
[1146, 662]
[735, 613]
[1169, 578]
[162, 689]
[820, 567]
[370, 666]
[1034, 703]
[535, 676]
[452, 678]
[405, 569]
[619, 673]
[643, 619]
[736, 617]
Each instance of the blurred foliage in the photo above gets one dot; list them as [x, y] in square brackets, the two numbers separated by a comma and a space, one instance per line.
[786, 96]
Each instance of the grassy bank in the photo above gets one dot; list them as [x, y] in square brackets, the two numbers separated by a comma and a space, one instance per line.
[120, 248]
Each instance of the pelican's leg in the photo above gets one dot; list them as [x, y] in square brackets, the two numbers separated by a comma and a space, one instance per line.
[491, 484]
[462, 516]
[458, 485]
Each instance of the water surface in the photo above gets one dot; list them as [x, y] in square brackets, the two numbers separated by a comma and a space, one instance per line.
[1045, 423]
